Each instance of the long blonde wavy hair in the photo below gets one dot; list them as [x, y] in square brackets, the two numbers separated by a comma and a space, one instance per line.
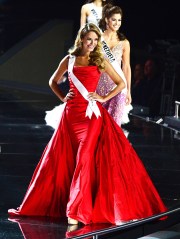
[96, 56]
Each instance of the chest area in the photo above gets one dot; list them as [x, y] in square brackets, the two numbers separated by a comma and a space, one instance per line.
[94, 11]
[115, 44]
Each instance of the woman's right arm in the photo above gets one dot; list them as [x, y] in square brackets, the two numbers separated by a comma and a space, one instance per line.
[56, 78]
[83, 15]
[120, 85]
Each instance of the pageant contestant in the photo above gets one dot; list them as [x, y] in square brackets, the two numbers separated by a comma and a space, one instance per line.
[89, 171]
[117, 49]
[91, 11]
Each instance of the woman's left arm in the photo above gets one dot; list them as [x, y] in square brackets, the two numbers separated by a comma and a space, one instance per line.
[126, 68]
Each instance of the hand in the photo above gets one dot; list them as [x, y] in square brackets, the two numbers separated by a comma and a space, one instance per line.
[70, 95]
[128, 98]
[95, 96]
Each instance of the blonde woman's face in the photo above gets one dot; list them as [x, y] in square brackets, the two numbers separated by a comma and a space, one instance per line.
[90, 41]
[114, 22]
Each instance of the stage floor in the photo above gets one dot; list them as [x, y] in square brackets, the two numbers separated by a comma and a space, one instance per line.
[23, 136]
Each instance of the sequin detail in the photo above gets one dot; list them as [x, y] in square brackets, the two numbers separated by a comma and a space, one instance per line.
[115, 106]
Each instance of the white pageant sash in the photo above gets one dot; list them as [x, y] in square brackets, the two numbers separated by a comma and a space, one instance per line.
[94, 14]
[92, 106]
[113, 62]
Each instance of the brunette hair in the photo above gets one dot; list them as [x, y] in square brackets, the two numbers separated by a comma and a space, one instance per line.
[108, 11]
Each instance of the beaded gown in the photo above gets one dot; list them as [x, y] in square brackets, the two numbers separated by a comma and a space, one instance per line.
[116, 106]
[89, 171]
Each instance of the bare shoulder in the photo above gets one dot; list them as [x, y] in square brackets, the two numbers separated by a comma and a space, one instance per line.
[85, 7]
[66, 58]
[64, 61]
[126, 43]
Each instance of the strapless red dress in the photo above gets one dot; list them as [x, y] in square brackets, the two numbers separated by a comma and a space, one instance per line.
[89, 171]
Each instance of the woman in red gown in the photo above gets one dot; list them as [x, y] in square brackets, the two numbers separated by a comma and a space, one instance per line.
[89, 171]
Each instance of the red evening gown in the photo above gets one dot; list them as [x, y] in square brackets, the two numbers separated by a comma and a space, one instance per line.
[89, 171]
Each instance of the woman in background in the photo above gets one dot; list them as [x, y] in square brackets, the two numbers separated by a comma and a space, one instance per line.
[91, 11]
[118, 45]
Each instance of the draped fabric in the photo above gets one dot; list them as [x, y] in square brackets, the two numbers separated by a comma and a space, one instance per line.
[89, 170]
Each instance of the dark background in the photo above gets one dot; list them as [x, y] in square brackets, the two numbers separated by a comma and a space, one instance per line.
[144, 22]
